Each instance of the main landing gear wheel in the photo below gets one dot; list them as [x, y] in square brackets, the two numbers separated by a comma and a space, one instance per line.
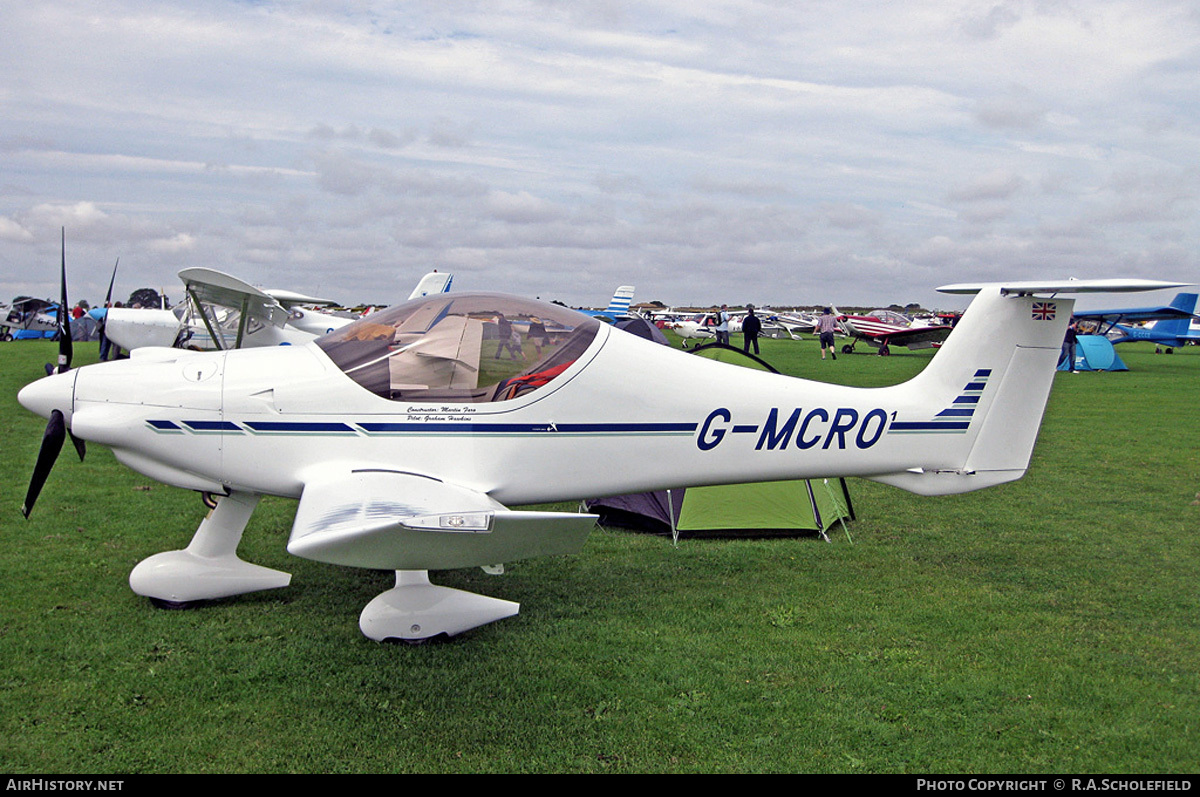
[416, 611]
[175, 606]
[884, 351]
[847, 349]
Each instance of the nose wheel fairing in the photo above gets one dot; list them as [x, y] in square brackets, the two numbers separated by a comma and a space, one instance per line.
[209, 568]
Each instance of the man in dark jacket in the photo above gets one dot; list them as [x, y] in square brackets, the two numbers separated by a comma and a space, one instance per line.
[751, 326]
[1069, 343]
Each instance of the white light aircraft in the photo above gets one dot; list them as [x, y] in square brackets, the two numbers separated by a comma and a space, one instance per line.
[697, 326]
[406, 436]
[797, 323]
[703, 327]
[770, 326]
[224, 312]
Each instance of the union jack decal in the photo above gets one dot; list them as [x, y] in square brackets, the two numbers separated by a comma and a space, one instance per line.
[1043, 311]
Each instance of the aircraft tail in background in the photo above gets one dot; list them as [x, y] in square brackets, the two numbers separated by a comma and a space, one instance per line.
[1177, 327]
[431, 283]
[618, 306]
[621, 300]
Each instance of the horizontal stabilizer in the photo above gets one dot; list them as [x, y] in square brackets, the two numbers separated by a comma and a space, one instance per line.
[1181, 308]
[390, 520]
[1064, 286]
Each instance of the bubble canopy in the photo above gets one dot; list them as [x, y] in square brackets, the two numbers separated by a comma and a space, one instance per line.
[464, 347]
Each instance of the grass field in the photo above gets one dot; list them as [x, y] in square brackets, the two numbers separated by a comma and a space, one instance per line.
[1051, 625]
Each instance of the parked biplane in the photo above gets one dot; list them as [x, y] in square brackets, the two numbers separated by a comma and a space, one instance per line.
[225, 312]
[28, 317]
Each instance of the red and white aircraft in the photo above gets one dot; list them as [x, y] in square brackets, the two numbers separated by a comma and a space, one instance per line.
[885, 328]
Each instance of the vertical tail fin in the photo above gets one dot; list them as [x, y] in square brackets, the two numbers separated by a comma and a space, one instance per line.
[621, 300]
[432, 283]
[1178, 327]
[988, 386]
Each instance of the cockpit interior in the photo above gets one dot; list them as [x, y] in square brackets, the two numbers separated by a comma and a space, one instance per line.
[466, 347]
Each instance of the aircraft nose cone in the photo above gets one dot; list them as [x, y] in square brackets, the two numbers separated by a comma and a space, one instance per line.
[55, 392]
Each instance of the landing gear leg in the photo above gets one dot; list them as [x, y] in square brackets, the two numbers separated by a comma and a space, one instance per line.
[209, 567]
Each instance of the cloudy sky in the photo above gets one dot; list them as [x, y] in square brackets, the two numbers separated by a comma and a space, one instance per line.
[770, 151]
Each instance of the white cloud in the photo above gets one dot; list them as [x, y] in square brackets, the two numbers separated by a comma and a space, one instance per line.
[80, 215]
[180, 242]
[855, 148]
[14, 231]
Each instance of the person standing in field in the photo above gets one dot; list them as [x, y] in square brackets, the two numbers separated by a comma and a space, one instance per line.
[751, 327]
[826, 325]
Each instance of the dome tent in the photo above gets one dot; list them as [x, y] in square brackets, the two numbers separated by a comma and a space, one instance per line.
[760, 509]
[1094, 353]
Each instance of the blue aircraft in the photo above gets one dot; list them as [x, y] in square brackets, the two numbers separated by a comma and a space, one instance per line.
[1167, 326]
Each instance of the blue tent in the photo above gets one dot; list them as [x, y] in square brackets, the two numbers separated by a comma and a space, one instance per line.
[1094, 353]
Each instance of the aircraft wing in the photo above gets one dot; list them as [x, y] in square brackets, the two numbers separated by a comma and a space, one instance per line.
[215, 287]
[1135, 314]
[1065, 286]
[915, 337]
[394, 520]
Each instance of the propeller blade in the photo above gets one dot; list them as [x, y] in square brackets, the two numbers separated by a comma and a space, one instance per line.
[108, 297]
[113, 279]
[80, 445]
[52, 441]
[65, 350]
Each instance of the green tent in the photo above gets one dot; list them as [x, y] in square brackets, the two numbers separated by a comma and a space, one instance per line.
[764, 508]
[759, 509]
